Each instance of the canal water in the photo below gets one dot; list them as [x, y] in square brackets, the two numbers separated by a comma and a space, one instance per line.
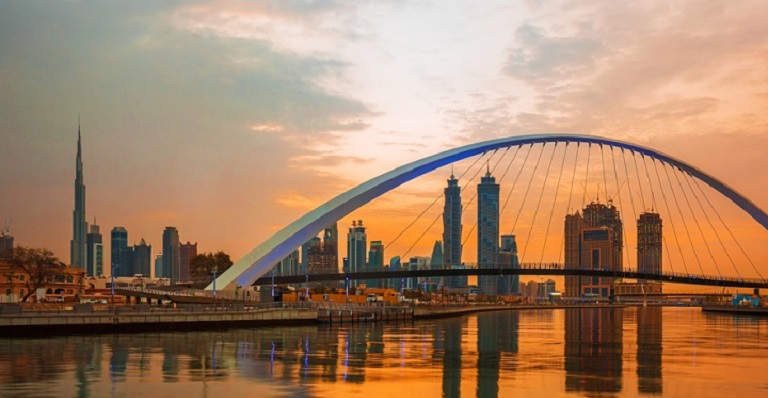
[597, 352]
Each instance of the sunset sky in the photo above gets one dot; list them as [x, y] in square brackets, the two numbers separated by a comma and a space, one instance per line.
[229, 120]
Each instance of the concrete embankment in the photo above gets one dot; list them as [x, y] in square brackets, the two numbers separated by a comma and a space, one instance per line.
[449, 311]
[736, 310]
[43, 323]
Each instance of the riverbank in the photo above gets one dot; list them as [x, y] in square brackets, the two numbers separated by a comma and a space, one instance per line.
[736, 310]
[84, 319]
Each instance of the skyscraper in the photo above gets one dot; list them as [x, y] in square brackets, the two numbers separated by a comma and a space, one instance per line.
[119, 252]
[357, 246]
[158, 265]
[375, 262]
[331, 249]
[171, 260]
[508, 259]
[77, 257]
[186, 252]
[593, 241]
[95, 252]
[452, 229]
[357, 242]
[436, 262]
[142, 259]
[649, 233]
[487, 230]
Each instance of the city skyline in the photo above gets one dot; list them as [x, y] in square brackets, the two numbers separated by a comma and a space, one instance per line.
[153, 159]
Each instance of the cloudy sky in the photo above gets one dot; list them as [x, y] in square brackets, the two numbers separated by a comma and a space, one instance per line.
[229, 120]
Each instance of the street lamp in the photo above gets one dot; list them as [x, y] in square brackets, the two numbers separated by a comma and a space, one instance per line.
[346, 284]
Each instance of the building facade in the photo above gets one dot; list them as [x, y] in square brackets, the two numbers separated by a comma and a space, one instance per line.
[508, 259]
[452, 229]
[142, 259]
[119, 260]
[375, 263]
[593, 240]
[78, 257]
[186, 252]
[171, 255]
[95, 252]
[357, 246]
[487, 231]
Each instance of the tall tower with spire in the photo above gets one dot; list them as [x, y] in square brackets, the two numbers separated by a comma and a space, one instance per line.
[488, 230]
[78, 245]
[452, 230]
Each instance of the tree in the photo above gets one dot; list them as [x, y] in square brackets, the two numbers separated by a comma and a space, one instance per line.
[202, 265]
[39, 264]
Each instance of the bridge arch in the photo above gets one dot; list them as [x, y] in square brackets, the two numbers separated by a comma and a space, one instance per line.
[264, 256]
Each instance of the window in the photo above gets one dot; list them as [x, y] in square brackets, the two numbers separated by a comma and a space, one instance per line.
[21, 278]
[70, 279]
[21, 292]
[8, 279]
[7, 292]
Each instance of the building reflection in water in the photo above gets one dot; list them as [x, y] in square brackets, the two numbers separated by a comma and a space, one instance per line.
[446, 348]
[593, 350]
[497, 333]
[649, 350]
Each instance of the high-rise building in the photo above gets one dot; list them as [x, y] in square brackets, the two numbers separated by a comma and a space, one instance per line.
[452, 229]
[415, 264]
[357, 243]
[314, 255]
[186, 252]
[331, 249]
[95, 251]
[508, 259]
[142, 259]
[78, 257]
[394, 283]
[487, 231]
[593, 241]
[375, 262]
[288, 266]
[171, 261]
[158, 265]
[436, 262]
[649, 237]
[119, 265]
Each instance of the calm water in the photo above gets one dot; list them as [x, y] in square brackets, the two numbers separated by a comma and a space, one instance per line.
[549, 353]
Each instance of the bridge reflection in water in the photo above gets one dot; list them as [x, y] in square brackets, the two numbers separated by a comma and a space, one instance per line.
[590, 351]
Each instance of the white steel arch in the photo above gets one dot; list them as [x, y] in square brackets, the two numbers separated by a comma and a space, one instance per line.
[264, 256]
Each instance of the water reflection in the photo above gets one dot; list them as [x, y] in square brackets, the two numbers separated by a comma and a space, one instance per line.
[593, 350]
[484, 355]
[649, 350]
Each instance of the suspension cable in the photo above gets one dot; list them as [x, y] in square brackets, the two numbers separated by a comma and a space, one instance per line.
[538, 204]
[605, 180]
[639, 184]
[706, 216]
[703, 193]
[433, 203]
[696, 220]
[621, 205]
[671, 222]
[685, 224]
[586, 176]
[554, 201]
[570, 196]
[514, 184]
[421, 236]
[528, 188]
[473, 198]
